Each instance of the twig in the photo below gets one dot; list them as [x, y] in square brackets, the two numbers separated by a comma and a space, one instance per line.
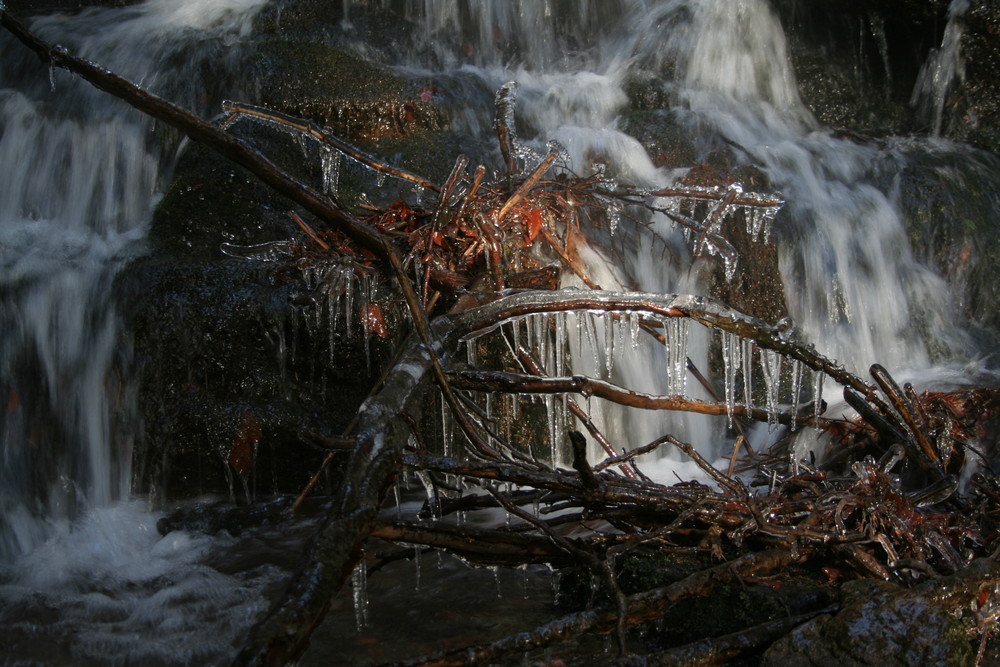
[308, 230]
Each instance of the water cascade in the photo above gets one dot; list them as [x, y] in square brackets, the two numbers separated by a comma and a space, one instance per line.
[88, 172]
[852, 284]
[84, 172]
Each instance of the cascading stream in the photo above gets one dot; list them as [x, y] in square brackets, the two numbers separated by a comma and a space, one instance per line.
[82, 174]
[852, 284]
[87, 172]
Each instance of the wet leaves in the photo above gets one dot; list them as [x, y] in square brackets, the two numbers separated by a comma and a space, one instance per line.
[372, 320]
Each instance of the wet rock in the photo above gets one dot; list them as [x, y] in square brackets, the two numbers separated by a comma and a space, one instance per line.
[32, 7]
[978, 99]
[879, 623]
[956, 235]
[858, 65]
[263, 335]
[355, 99]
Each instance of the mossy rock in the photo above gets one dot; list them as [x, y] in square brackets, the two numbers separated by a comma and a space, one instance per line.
[357, 100]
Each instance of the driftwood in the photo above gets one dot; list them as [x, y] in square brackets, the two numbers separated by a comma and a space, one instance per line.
[860, 517]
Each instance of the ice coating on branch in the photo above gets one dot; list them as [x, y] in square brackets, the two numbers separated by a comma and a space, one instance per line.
[506, 100]
[272, 251]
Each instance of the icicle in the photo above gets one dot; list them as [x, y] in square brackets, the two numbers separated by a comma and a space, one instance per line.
[676, 341]
[348, 306]
[416, 568]
[550, 415]
[366, 327]
[399, 500]
[729, 265]
[359, 584]
[330, 160]
[609, 344]
[590, 331]
[379, 179]
[619, 325]
[796, 389]
[633, 325]
[730, 360]
[770, 364]
[747, 358]
[471, 352]
[446, 435]
[429, 489]
[529, 331]
[303, 141]
[331, 308]
[818, 377]
[770, 214]
[541, 339]
[559, 346]
[496, 578]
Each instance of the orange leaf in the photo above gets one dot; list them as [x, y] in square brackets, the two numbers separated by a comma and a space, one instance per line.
[832, 574]
[533, 224]
[983, 598]
[372, 321]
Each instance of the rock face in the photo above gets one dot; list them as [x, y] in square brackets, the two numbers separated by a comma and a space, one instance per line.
[875, 626]
[251, 345]
[864, 67]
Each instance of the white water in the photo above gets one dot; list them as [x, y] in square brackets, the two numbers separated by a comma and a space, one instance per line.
[853, 286]
[85, 578]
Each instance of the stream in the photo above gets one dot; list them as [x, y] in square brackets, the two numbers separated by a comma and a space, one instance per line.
[85, 576]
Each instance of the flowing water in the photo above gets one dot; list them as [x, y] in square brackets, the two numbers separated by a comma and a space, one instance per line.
[84, 172]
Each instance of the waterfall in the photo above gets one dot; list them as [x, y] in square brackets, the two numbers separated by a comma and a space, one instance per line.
[853, 286]
[79, 558]
[942, 70]
[82, 174]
